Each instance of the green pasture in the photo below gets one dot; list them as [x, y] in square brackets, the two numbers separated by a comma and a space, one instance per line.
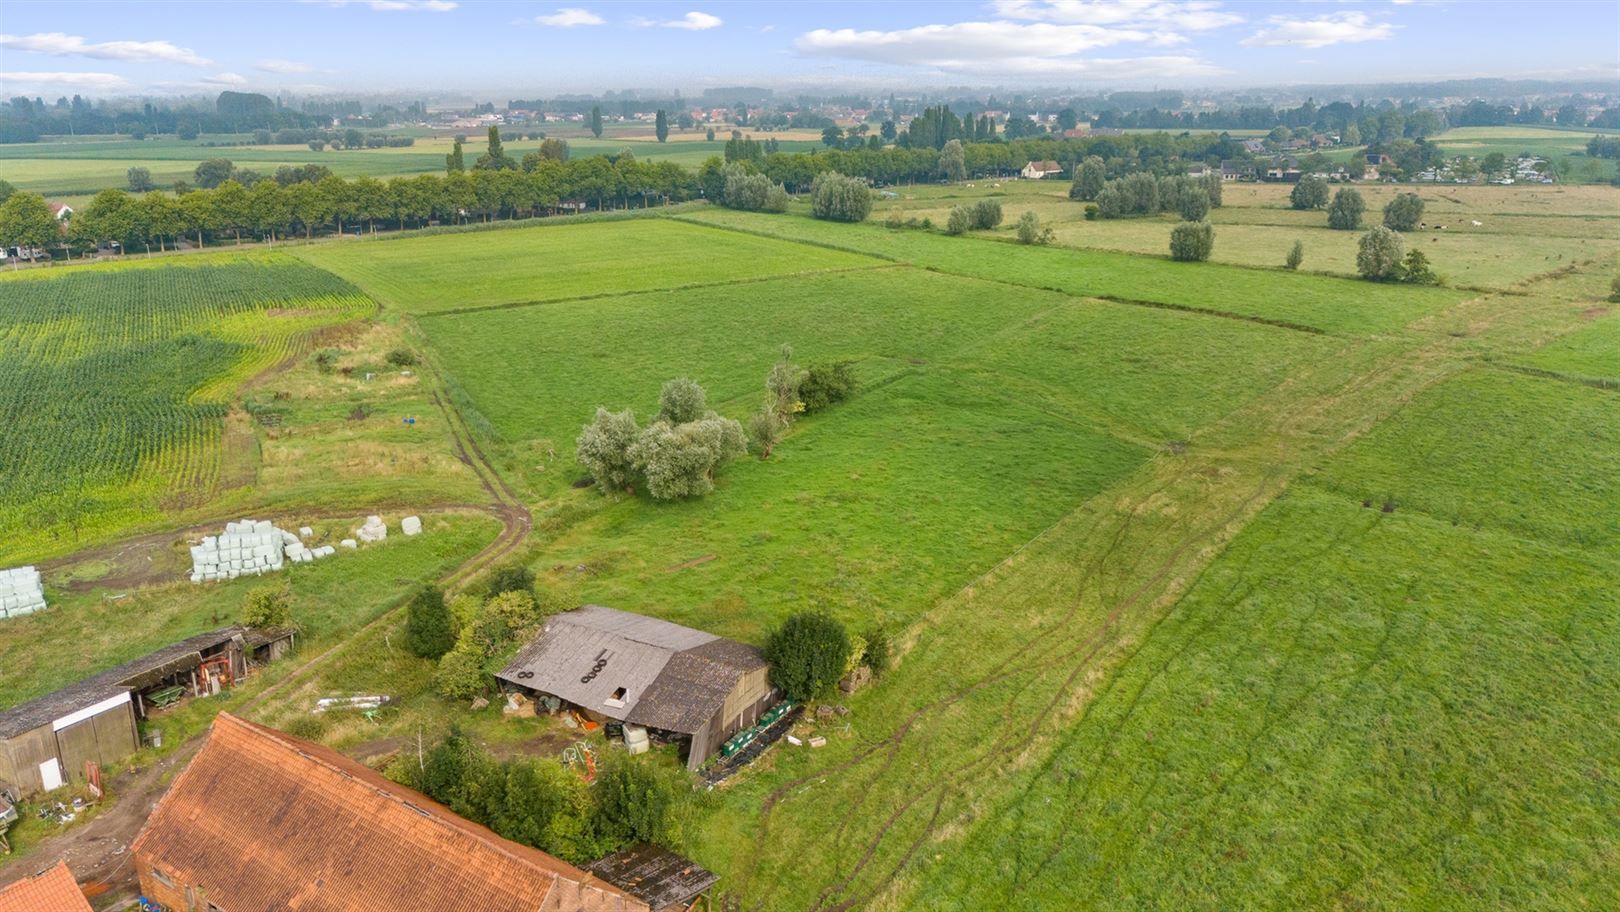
[1589, 353]
[1319, 302]
[553, 261]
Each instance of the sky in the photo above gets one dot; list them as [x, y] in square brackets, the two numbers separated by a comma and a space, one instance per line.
[522, 49]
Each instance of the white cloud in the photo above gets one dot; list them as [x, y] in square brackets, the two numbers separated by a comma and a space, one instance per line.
[394, 6]
[1173, 15]
[937, 45]
[58, 44]
[569, 17]
[695, 22]
[1335, 28]
[282, 66]
[93, 82]
[225, 79]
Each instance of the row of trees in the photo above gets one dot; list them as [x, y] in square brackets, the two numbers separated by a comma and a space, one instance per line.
[1403, 213]
[1143, 194]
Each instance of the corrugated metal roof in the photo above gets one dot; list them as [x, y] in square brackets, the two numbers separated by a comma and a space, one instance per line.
[261, 820]
[53, 890]
[674, 678]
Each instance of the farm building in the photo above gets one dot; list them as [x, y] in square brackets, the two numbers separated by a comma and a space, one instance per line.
[1036, 170]
[687, 684]
[51, 890]
[666, 882]
[47, 741]
[261, 820]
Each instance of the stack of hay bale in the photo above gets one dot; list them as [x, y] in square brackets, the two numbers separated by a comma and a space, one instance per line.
[373, 531]
[20, 592]
[249, 548]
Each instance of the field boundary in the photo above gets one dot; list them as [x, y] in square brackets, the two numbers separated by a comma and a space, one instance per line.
[1545, 374]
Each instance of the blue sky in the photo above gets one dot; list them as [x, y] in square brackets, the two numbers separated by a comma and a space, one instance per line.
[526, 49]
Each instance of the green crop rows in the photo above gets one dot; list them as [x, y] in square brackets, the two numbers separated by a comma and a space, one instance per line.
[115, 381]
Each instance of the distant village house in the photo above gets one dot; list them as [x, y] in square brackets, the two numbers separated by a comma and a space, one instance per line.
[1037, 170]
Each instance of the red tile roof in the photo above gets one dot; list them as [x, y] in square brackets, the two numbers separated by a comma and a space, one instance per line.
[261, 820]
[52, 891]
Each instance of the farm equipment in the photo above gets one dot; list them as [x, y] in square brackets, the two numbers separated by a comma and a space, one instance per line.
[581, 755]
[166, 697]
[748, 736]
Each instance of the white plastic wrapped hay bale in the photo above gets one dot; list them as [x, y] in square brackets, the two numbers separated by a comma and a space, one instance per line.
[374, 530]
[411, 525]
[349, 543]
[21, 592]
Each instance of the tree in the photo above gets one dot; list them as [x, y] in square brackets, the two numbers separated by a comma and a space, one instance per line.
[637, 800]
[1415, 269]
[140, 180]
[681, 400]
[765, 429]
[782, 387]
[1030, 231]
[596, 121]
[807, 654]
[1310, 193]
[495, 159]
[460, 675]
[26, 222]
[512, 577]
[1192, 241]
[213, 172]
[661, 125]
[428, 632]
[198, 212]
[1192, 202]
[1378, 256]
[1493, 163]
[554, 150]
[268, 607]
[1296, 256]
[952, 162]
[679, 460]
[1345, 212]
[709, 134]
[456, 161]
[1089, 179]
[6, 190]
[838, 198]
[603, 447]
[1614, 291]
[1404, 212]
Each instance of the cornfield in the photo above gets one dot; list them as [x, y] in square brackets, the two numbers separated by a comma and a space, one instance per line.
[115, 381]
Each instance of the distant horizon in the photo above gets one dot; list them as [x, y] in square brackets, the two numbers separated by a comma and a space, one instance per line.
[494, 51]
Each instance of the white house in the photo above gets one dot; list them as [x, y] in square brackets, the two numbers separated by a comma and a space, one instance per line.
[1036, 170]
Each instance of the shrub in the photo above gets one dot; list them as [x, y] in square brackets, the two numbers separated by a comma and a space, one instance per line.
[827, 383]
[986, 214]
[681, 400]
[744, 190]
[402, 357]
[807, 654]
[679, 460]
[460, 675]
[1378, 257]
[307, 728]
[1296, 255]
[603, 448]
[1092, 212]
[959, 221]
[1212, 188]
[838, 198]
[1029, 228]
[1415, 269]
[513, 577]
[877, 650]
[1614, 290]
[1193, 203]
[550, 808]
[765, 429]
[1192, 241]
[1404, 212]
[1310, 193]
[782, 385]
[777, 199]
[270, 606]
[638, 800]
[326, 360]
[1345, 213]
[428, 632]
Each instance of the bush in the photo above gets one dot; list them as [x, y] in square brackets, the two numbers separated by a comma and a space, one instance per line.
[326, 360]
[402, 357]
[460, 675]
[1310, 193]
[1029, 228]
[1345, 213]
[1193, 203]
[1614, 290]
[1415, 269]
[550, 808]
[807, 654]
[603, 448]
[679, 460]
[428, 630]
[513, 577]
[782, 384]
[1296, 256]
[681, 400]
[877, 650]
[1092, 212]
[777, 199]
[745, 191]
[838, 198]
[765, 429]
[986, 214]
[959, 221]
[1404, 212]
[1378, 256]
[638, 800]
[1192, 241]
[1133, 194]
[306, 728]
[270, 606]
[827, 383]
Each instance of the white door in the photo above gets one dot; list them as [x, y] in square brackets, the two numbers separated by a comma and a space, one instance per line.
[51, 773]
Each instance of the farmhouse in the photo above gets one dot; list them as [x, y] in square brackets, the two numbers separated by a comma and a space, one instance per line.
[47, 741]
[261, 820]
[1036, 170]
[683, 683]
[62, 212]
[51, 890]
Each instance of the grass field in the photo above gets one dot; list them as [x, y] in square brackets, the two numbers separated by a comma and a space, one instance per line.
[543, 263]
[117, 380]
[1318, 302]
[1589, 353]
[1566, 149]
